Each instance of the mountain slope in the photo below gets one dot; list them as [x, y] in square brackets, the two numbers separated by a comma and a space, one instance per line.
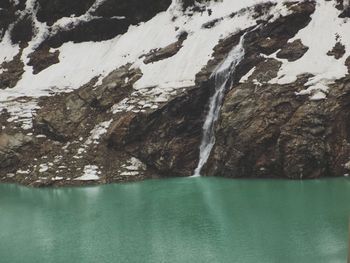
[110, 91]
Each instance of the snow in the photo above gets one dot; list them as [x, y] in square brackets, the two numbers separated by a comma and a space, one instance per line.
[221, 74]
[133, 167]
[317, 92]
[134, 164]
[80, 62]
[57, 178]
[90, 173]
[97, 132]
[346, 3]
[7, 50]
[43, 168]
[324, 30]
[68, 22]
[319, 95]
[247, 76]
[23, 171]
[129, 173]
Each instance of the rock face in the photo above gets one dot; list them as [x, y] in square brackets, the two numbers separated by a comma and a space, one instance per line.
[9, 146]
[292, 51]
[270, 130]
[266, 131]
[12, 73]
[125, 117]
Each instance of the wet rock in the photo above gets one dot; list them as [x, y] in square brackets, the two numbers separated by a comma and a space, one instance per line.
[293, 51]
[166, 139]
[169, 138]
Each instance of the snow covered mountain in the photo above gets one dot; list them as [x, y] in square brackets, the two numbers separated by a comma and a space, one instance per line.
[112, 90]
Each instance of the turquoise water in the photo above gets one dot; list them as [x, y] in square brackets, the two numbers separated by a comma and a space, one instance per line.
[177, 220]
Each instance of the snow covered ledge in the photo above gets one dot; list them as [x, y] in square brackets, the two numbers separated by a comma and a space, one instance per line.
[322, 34]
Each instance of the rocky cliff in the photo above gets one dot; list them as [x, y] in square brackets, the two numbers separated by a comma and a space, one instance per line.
[103, 91]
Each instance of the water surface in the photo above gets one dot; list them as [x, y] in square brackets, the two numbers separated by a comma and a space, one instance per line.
[177, 220]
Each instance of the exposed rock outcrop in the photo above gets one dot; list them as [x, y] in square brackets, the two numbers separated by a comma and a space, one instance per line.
[293, 51]
[272, 130]
[166, 52]
[265, 130]
[337, 51]
[129, 122]
[12, 72]
[42, 59]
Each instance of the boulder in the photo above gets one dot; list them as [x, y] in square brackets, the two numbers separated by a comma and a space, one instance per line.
[293, 51]
[9, 148]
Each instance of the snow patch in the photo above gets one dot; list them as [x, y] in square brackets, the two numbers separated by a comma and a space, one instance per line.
[43, 168]
[317, 92]
[322, 33]
[90, 173]
[97, 132]
[80, 62]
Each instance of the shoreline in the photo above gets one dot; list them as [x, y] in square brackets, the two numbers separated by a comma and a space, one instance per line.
[75, 183]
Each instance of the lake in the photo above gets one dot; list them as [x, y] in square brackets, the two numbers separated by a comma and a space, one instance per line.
[177, 220]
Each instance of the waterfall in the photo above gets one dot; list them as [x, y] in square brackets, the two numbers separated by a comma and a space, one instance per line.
[222, 76]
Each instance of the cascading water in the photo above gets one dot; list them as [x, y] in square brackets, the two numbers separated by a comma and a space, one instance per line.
[222, 76]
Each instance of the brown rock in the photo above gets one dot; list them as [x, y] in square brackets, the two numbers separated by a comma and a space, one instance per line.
[347, 63]
[9, 146]
[42, 59]
[166, 52]
[267, 131]
[338, 51]
[293, 51]
[13, 71]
